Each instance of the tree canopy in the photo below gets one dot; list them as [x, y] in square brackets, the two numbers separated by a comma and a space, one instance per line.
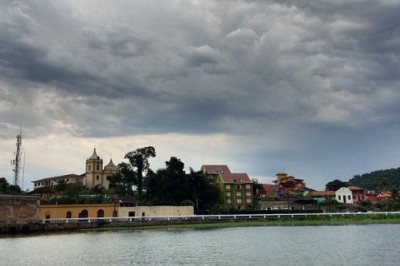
[139, 163]
[172, 185]
[335, 185]
[378, 180]
[6, 188]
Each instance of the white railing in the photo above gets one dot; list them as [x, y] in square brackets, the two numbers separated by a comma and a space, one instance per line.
[207, 217]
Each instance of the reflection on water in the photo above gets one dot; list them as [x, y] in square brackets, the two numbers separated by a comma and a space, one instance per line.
[302, 245]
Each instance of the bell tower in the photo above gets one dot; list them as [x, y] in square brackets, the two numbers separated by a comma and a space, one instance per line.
[94, 171]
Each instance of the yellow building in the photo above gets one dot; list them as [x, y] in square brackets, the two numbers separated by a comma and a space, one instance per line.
[110, 210]
[77, 211]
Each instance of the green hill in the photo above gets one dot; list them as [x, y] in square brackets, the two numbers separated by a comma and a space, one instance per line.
[378, 180]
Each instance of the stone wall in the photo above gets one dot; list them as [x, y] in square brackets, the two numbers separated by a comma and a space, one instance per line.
[18, 208]
[144, 211]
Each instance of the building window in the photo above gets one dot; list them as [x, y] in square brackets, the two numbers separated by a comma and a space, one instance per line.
[238, 194]
[115, 213]
[248, 194]
[84, 214]
[238, 200]
[238, 187]
[89, 168]
[248, 186]
[248, 200]
[228, 201]
[354, 197]
[98, 167]
[228, 194]
[349, 197]
[97, 177]
[69, 215]
[339, 198]
[100, 213]
[228, 187]
[131, 214]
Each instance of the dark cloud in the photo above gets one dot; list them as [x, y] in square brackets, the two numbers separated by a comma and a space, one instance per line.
[244, 68]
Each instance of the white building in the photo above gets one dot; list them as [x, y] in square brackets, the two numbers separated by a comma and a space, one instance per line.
[344, 195]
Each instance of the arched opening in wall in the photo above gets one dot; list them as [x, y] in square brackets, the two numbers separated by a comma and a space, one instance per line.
[68, 215]
[47, 215]
[115, 213]
[100, 213]
[84, 214]
[143, 214]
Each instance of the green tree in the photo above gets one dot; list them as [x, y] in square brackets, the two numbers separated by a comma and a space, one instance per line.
[124, 180]
[6, 188]
[205, 193]
[335, 185]
[171, 185]
[139, 163]
[61, 185]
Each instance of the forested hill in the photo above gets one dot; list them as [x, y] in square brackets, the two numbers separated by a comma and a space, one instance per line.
[378, 180]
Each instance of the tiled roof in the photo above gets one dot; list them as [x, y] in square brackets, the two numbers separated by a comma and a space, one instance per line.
[355, 188]
[322, 193]
[215, 169]
[58, 177]
[236, 177]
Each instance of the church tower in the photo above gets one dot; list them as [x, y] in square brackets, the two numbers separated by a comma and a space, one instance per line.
[94, 171]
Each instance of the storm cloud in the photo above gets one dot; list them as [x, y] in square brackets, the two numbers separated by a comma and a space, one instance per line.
[307, 87]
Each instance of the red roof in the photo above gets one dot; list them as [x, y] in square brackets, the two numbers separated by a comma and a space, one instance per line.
[233, 178]
[385, 194]
[215, 169]
[322, 193]
[355, 188]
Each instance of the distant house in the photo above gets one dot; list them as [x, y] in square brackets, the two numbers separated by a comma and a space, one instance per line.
[372, 196]
[49, 182]
[351, 194]
[236, 188]
[384, 195]
[269, 191]
[322, 196]
[288, 185]
[94, 175]
[344, 195]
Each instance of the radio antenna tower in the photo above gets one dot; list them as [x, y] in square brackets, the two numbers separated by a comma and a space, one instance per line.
[17, 161]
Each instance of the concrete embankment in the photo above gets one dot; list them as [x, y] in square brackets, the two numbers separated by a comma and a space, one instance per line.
[74, 224]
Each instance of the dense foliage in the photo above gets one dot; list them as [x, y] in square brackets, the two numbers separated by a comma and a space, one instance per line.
[6, 188]
[166, 186]
[335, 185]
[173, 186]
[382, 180]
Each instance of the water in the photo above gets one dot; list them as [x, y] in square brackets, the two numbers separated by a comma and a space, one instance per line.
[298, 245]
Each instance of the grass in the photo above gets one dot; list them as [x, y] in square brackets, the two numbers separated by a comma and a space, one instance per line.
[307, 221]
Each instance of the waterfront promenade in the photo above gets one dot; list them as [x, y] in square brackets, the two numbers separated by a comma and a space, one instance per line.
[48, 225]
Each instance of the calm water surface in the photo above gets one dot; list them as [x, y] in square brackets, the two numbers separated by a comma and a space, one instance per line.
[298, 245]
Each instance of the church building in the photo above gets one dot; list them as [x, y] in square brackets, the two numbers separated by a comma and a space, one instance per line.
[95, 174]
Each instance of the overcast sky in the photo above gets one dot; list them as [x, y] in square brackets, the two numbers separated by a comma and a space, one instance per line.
[311, 88]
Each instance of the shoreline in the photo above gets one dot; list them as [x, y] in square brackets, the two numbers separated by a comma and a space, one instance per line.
[339, 220]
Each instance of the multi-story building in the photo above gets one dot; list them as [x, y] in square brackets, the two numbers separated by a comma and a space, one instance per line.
[288, 185]
[94, 175]
[236, 188]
